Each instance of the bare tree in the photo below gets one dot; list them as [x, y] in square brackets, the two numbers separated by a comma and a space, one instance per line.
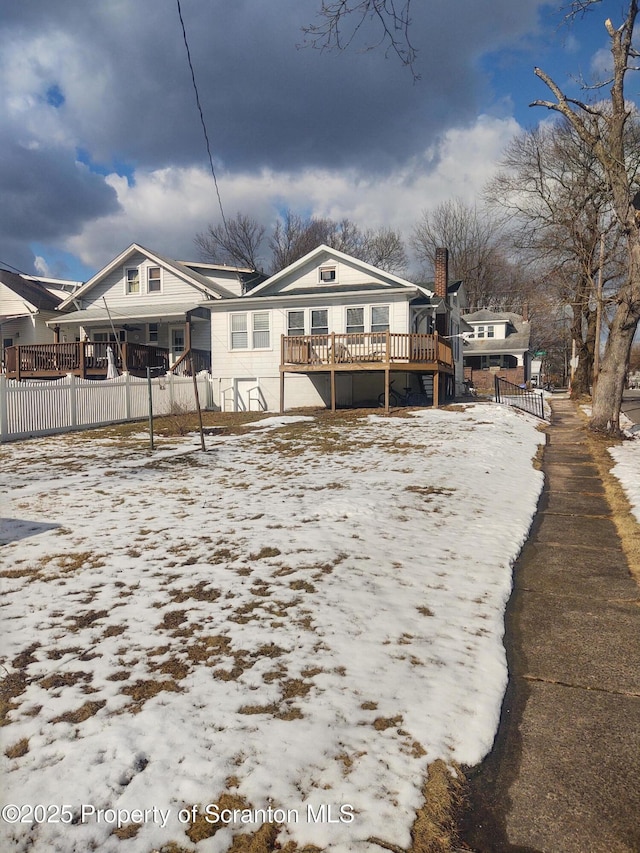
[556, 195]
[473, 238]
[602, 128]
[239, 243]
[293, 237]
[341, 22]
[384, 249]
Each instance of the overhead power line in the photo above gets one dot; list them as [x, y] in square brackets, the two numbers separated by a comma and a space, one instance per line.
[204, 126]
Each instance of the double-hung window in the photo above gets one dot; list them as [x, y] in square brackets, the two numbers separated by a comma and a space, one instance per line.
[491, 332]
[319, 321]
[379, 318]
[154, 281]
[295, 323]
[328, 275]
[251, 331]
[132, 283]
[355, 320]
[239, 335]
[261, 330]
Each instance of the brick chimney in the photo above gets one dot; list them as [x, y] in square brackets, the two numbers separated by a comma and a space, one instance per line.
[442, 273]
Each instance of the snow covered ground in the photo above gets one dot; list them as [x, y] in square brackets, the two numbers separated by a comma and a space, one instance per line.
[301, 619]
[627, 470]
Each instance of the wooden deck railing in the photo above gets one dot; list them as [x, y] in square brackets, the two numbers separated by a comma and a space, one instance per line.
[195, 360]
[82, 358]
[365, 348]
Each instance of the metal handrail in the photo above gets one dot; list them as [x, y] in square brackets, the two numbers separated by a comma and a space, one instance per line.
[520, 398]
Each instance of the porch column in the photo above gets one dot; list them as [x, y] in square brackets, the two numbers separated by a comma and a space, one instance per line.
[281, 392]
[56, 334]
[187, 332]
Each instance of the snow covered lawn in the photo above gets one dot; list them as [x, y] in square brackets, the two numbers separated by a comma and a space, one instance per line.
[299, 621]
[627, 469]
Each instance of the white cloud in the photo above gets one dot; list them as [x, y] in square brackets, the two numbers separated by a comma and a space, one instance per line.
[165, 208]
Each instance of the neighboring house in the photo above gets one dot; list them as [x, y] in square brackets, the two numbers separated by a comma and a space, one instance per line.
[26, 303]
[333, 330]
[498, 345]
[151, 310]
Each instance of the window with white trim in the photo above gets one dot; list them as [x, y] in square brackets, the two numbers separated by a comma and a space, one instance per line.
[153, 333]
[261, 330]
[479, 332]
[239, 334]
[295, 322]
[251, 330]
[328, 275]
[491, 333]
[379, 318]
[154, 280]
[132, 280]
[355, 320]
[319, 321]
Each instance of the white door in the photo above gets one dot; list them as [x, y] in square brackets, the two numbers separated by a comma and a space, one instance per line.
[176, 342]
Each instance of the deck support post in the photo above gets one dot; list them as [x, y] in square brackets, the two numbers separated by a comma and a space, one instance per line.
[436, 389]
[282, 392]
[387, 375]
[333, 389]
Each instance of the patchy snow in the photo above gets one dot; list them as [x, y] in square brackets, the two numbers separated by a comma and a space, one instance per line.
[627, 470]
[307, 615]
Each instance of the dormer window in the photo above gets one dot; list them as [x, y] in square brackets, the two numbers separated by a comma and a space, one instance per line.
[328, 275]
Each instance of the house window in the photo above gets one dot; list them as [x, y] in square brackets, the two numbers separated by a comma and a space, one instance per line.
[239, 336]
[153, 333]
[295, 322]
[261, 331]
[379, 318]
[479, 332]
[328, 275]
[133, 280]
[109, 337]
[319, 321]
[491, 331]
[154, 282]
[355, 320]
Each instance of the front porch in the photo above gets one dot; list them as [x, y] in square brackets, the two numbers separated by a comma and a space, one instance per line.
[383, 352]
[90, 360]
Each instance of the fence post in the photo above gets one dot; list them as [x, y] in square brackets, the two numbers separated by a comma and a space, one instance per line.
[127, 396]
[73, 409]
[171, 391]
[4, 416]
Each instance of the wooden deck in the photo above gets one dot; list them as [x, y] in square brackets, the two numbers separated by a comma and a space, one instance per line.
[385, 352]
[89, 360]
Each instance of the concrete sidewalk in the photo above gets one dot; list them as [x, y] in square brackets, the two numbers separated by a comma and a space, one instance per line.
[564, 773]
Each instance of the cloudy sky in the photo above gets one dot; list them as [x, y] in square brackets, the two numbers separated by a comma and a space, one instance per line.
[101, 143]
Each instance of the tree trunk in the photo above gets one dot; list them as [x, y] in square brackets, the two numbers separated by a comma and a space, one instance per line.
[607, 397]
[583, 376]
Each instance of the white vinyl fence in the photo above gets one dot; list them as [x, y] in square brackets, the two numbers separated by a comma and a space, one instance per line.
[30, 409]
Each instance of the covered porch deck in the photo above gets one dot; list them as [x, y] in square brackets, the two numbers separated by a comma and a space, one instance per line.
[383, 352]
[90, 360]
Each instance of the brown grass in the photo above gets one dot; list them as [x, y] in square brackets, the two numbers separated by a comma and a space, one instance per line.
[89, 709]
[626, 524]
[18, 749]
[434, 829]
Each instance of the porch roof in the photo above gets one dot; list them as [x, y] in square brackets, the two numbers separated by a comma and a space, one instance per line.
[170, 312]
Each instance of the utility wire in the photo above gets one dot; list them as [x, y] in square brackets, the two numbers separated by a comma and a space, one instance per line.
[204, 126]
